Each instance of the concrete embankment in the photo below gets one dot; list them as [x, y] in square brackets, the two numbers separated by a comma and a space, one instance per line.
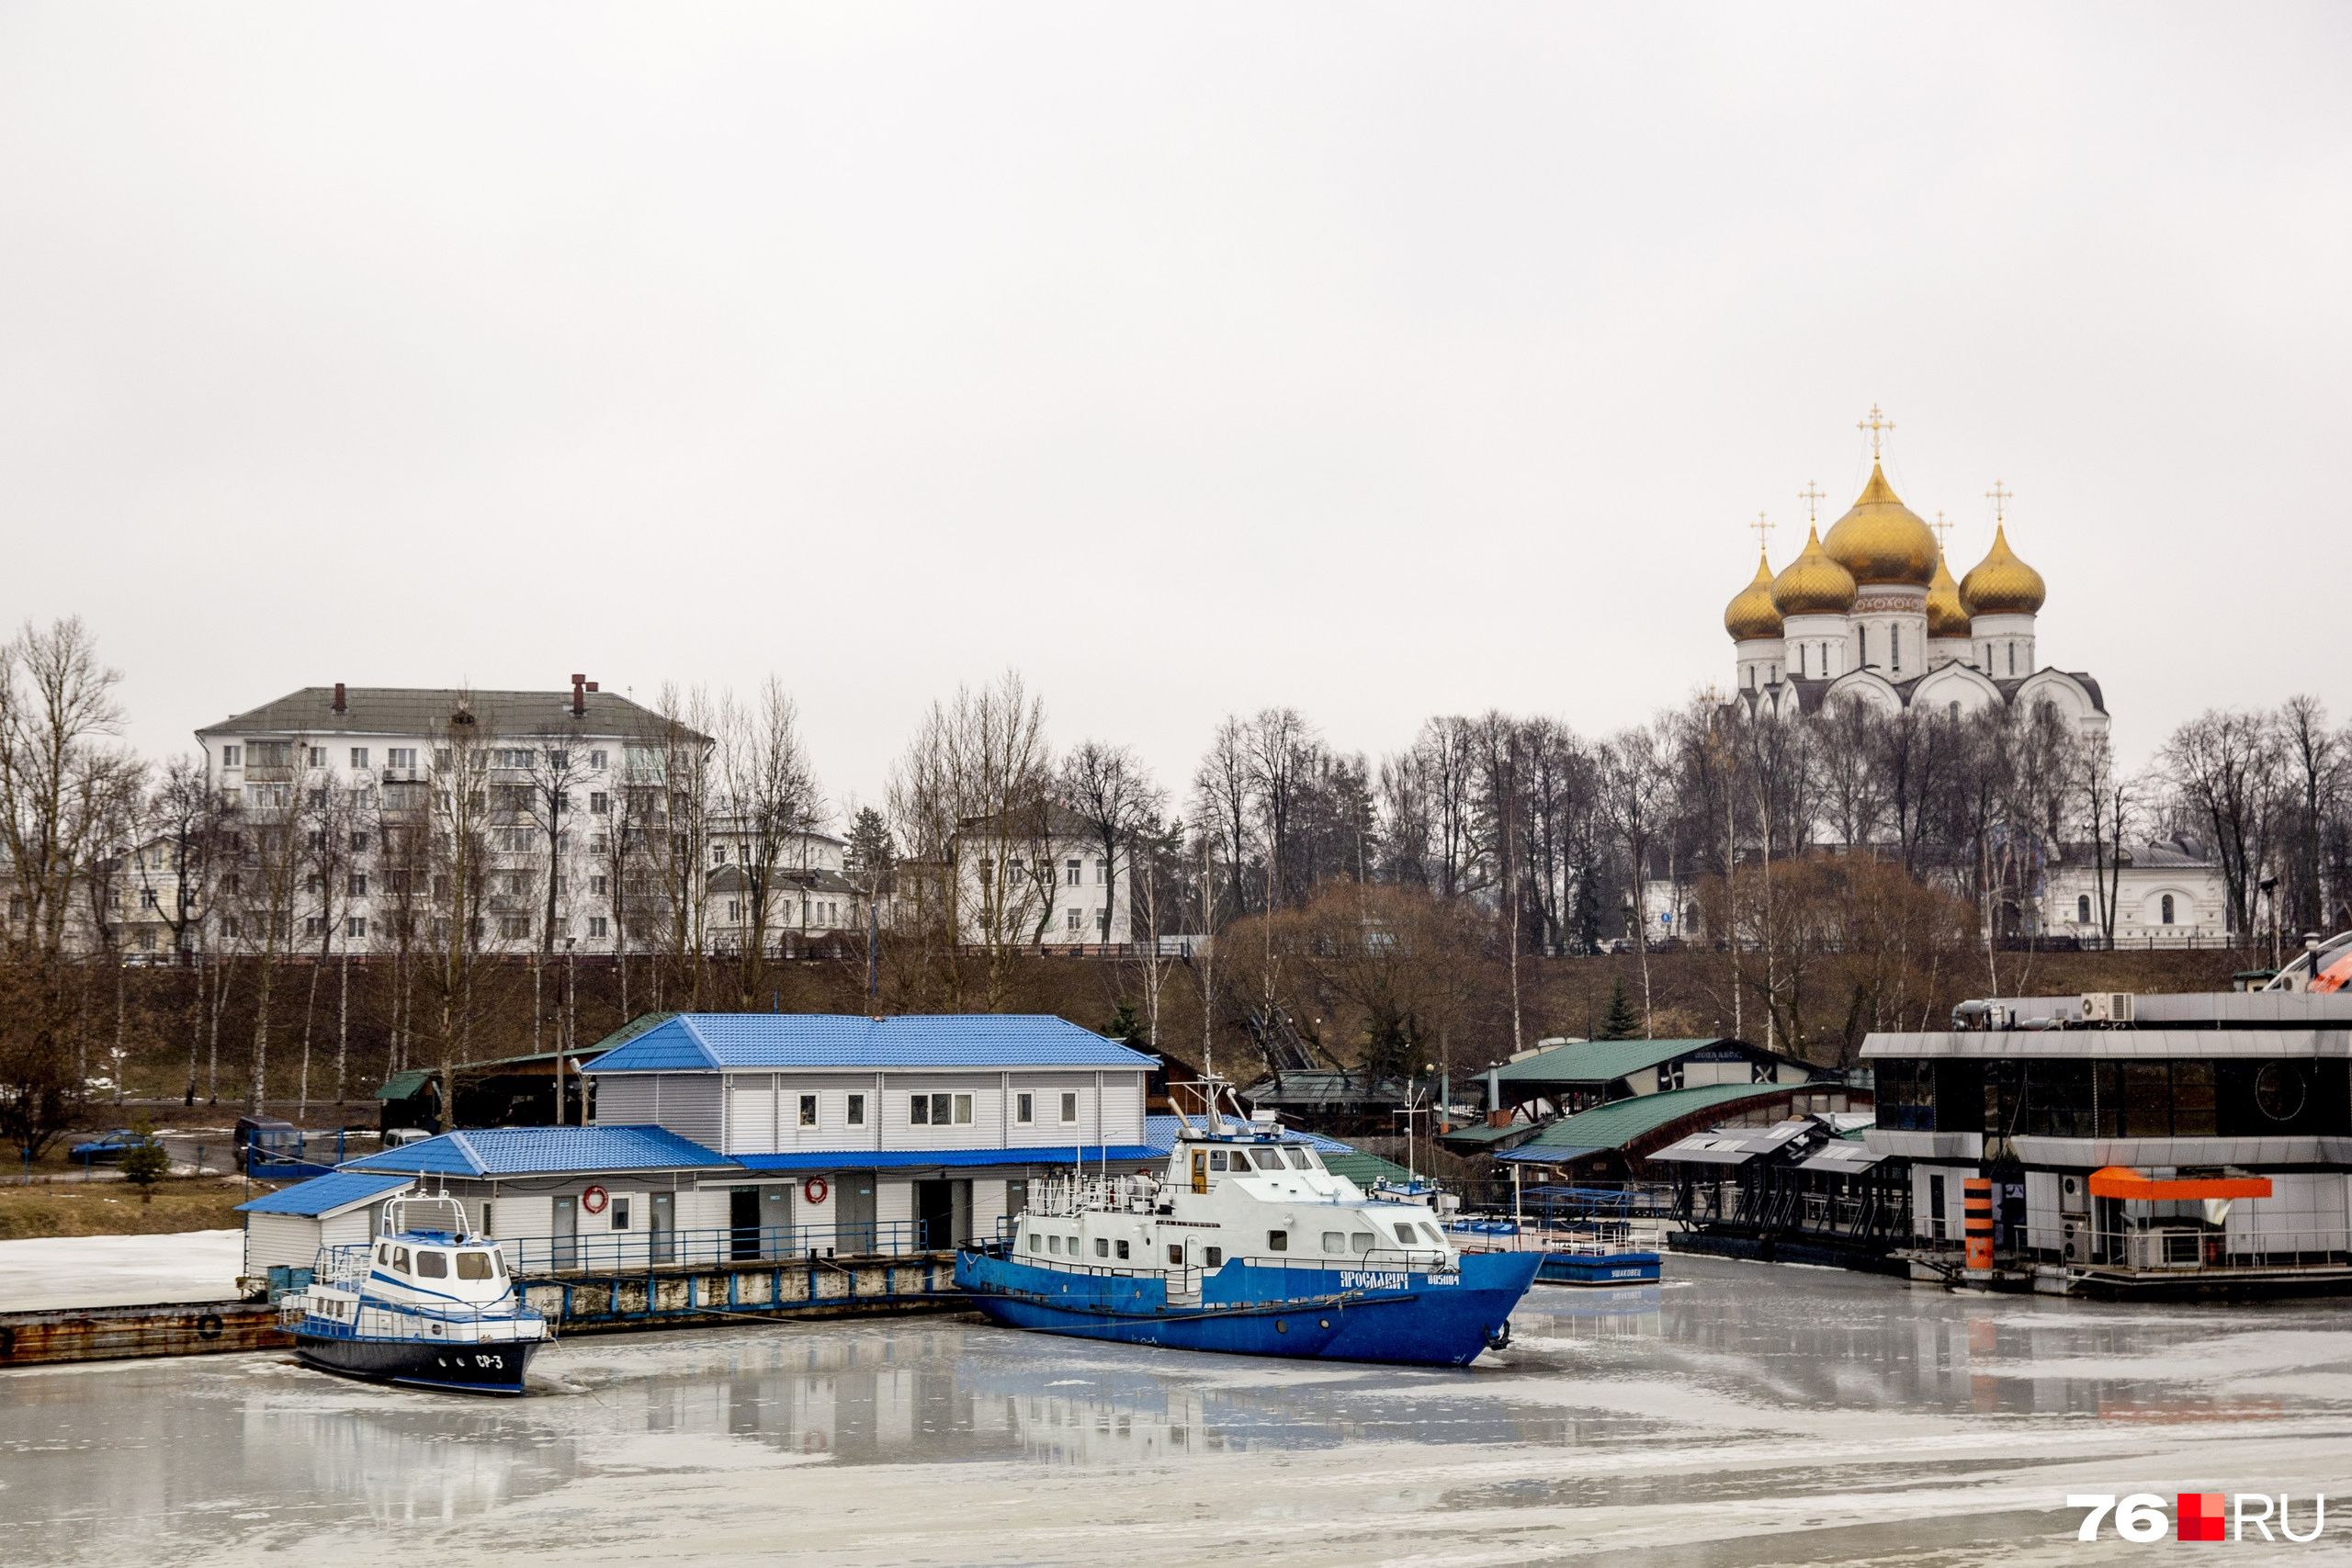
[600, 1302]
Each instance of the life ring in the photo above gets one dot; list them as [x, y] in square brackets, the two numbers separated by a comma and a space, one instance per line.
[815, 1189]
[208, 1327]
[594, 1200]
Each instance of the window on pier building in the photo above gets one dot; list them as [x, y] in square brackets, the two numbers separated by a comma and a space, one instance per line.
[1069, 1110]
[856, 1111]
[1024, 1109]
[807, 1110]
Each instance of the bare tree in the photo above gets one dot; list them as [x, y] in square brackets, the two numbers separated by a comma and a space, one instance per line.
[1633, 781]
[969, 804]
[1107, 788]
[769, 806]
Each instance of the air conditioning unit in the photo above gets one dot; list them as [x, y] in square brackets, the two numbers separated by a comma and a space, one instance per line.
[2107, 1007]
[2075, 1194]
[2166, 1249]
[2074, 1241]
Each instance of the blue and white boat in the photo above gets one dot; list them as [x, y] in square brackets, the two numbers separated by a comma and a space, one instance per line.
[1245, 1243]
[427, 1303]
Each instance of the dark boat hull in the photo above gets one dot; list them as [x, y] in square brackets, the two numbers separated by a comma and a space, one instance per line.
[1371, 1315]
[493, 1368]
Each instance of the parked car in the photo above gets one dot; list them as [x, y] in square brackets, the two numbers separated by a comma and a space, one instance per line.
[263, 1130]
[106, 1148]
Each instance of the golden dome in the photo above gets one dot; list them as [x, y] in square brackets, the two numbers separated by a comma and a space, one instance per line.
[2001, 584]
[1813, 584]
[1750, 615]
[1947, 616]
[1882, 540]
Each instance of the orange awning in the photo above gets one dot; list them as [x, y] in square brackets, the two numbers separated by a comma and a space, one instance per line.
[2122, 1181]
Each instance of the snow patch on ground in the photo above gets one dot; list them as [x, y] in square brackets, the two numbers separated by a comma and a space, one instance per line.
[50, 1272]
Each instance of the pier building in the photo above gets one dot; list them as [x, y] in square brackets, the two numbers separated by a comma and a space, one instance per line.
[2133, 1143]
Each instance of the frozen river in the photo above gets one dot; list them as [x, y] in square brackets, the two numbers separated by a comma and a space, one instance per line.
[1737, 1414]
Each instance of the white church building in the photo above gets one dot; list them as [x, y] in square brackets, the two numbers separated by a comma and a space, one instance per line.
[1873, 612]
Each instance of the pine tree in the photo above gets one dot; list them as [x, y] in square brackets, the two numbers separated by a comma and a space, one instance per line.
[1621, 1022]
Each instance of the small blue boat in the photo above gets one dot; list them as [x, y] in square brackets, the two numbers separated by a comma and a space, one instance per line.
[1598, 1253]
[1248, 1246]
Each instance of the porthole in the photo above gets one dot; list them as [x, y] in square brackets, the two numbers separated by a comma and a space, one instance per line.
[1325, 1323]
[1281, 1328]
[2279, 1091]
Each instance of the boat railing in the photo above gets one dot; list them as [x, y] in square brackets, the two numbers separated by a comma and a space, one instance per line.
[674, 1248]
[458, 1322]
[1062, 1196]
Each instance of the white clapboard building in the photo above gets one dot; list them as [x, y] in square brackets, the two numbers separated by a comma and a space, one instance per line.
[730, 1136]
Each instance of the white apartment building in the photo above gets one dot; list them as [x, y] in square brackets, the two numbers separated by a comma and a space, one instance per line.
[1058, 889]
[360, 764]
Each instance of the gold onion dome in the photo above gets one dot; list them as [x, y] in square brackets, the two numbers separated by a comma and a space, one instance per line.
[1750, 614]
[2001, 584]
[1947, 616]
[1882, 540]
[1813, 584]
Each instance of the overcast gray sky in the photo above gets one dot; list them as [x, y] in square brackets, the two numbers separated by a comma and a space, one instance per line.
[1378, 360]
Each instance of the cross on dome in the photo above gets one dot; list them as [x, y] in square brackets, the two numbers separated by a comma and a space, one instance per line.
[1811, 496]
[2000, 496]
[1763, 526]
[1878, 426]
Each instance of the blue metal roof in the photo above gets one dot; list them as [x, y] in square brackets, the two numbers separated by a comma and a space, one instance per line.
[543, 1151]
[708, 1041]
[957, 1159]
[324, 1194]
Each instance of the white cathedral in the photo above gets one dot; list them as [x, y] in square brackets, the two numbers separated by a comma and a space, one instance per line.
[1871, 611]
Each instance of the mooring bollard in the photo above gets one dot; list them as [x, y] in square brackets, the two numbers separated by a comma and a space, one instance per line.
[1977, 1207]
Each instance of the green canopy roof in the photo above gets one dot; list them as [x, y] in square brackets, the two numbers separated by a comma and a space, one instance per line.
[1600, 1061]
[1621, 1122]
[1362, 1168]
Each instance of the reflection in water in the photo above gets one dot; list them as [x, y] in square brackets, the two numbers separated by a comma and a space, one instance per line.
[167, 1458]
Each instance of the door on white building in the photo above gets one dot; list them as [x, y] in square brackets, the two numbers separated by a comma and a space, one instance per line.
[854, 1229]
[661, 1224]
[567, 1232]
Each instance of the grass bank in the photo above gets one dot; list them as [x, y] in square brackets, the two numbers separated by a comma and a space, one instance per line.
[112, 1208]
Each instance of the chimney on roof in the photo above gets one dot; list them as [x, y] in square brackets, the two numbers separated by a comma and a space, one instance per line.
[592, 685]
[338, 697]
[579, 695]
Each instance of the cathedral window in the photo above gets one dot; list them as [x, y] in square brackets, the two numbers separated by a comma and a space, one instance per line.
[2167, 909]
[2083, 909]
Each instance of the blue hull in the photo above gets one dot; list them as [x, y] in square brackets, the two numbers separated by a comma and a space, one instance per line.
[1607, 1269]
[1258, 1309]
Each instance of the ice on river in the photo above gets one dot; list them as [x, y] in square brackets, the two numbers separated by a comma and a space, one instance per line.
[1736, 1415]
[119, 1270]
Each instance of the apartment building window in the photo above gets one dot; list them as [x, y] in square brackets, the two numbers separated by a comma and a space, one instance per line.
[1069, 1110]
[400, 757]
[231, 757]
[596, 887]
[1101, 874]
[356, 886]
[1024, 1109]
[734, 910]
[314, 926]
[317, 756]
[359, 756]
[514, 927]
[599, 803]
[1073, 923]
[360, 844]
[146, 897]
[598, 928]
[355, 926]
[597, 760]
[271, 753]
[1073, 869]
[855, 1114]
[314, 884]
[718, 854]
[441, 758]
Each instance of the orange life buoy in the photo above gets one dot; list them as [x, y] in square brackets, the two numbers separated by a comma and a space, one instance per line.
[594, 1200]
[815, 1189]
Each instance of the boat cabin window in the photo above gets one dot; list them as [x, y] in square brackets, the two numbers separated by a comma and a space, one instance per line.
[1408, 1234]
[433, 1265]
[1218, 1160]
[1073, 1246]
[1334, 1242]
[1298, 1160]
[400, 1259]
[1123, 1250]
[474, 1266]
[1215, 1259]
[383, 1253]
[1434, 1233]
[1278, 1241]
[1359, 1241]
[1035, 1243]
[1054, 1245]
[1176, 1253]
